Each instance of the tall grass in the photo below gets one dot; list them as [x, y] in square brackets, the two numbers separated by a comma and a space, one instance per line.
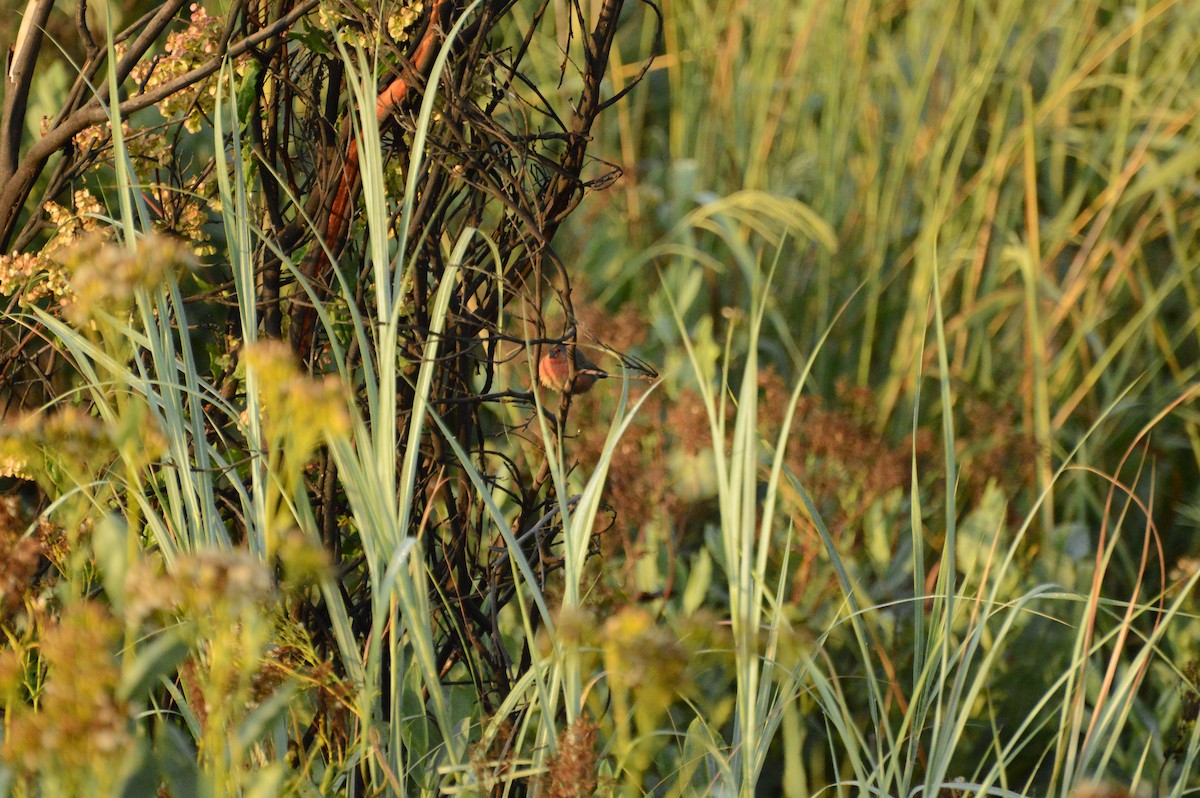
[934, 203]
[1039, 147]
[978, 165]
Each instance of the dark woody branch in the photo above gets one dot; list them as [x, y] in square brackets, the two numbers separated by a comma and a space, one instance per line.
[18, 185]
[18, 75]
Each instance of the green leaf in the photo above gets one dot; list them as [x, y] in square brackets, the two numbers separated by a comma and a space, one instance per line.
[698, 581]
[247, 92]
[265, 715]
[154, 662]
[417, 733]
[177, 762]
[703, 747]
[268, 782]
[977, 533]
[312, 39]
[144, 776]
[111, 548]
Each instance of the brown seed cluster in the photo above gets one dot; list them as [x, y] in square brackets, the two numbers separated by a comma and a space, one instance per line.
[19, 556]
[572, 771]
[836, 452]
[640, 487]
[79, 727]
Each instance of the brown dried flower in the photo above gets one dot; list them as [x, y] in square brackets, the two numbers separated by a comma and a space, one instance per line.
[572, 771]
[79, 726]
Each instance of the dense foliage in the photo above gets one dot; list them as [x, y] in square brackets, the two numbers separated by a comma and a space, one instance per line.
[303, 492]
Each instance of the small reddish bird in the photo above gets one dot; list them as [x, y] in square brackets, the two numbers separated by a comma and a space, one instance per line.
[556, 372]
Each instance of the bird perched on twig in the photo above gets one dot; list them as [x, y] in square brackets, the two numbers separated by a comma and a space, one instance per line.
[556, 372]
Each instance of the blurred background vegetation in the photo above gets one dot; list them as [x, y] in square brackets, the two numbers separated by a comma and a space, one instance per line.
[901, 494]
